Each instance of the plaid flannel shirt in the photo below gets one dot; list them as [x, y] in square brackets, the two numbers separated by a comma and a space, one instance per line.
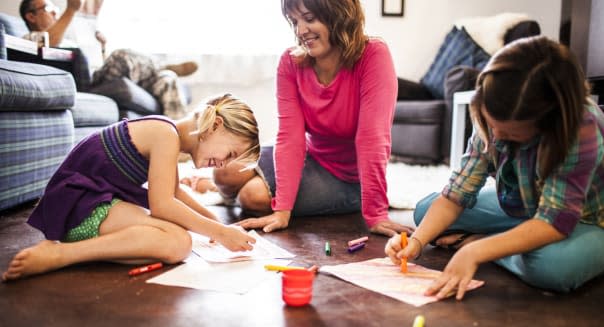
[573, 192]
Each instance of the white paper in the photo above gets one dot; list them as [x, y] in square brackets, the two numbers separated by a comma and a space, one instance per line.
[382, 276]
[234, 277]
[214, 252]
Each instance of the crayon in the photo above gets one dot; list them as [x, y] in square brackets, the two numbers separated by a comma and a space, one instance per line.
[358, 240]
[356, 247]
[403, 245]
[419, 321]
[144, 269]
[282, 268]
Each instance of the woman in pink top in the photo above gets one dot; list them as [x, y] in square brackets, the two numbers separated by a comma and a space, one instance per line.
[336, 93]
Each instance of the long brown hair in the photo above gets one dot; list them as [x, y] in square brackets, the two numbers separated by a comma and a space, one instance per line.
[344, 19]
[534, 79]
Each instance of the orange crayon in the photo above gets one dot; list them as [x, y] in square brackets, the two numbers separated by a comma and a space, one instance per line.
[403, 245]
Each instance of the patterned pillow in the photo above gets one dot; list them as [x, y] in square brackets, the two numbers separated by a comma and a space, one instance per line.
[457, 49]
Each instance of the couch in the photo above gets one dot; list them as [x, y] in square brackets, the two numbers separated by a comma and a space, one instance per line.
[421, 132]
[41, 118]
[132, 100]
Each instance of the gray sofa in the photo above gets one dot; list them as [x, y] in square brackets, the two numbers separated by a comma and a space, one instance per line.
[421, 133]
[41, 118]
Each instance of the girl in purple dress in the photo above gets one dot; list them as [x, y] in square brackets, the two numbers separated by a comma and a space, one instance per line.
[96, 207]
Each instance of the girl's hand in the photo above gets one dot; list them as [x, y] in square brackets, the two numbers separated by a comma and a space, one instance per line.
[390, 228]
[276, 220]
[395, 252]
[457, 275]
[235, 238]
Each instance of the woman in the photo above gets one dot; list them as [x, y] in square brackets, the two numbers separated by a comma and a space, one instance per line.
[336, 93]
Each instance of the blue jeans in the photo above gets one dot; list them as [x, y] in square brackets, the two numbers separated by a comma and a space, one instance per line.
[320, 192]
[561, 266]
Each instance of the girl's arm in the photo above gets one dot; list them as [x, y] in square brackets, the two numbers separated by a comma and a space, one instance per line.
[183, 195]
[162, 145]
[460, 270]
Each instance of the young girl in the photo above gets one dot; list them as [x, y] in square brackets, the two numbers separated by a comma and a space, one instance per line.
[96, 205]
[541, 138]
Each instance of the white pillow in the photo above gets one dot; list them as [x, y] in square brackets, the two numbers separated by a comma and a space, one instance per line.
[488, 32]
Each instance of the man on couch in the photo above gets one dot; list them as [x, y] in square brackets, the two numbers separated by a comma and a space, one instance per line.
[161, 82]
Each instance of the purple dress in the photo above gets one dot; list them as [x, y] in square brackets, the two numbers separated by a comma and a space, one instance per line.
[103, 166]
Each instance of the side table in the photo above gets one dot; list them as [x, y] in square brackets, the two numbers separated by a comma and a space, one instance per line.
[461, 100]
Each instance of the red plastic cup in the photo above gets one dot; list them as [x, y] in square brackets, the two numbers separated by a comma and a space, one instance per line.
[297, 287]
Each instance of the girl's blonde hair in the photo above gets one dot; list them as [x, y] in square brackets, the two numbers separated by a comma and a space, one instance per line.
[345, 21]
[238, 119]
[534, 79]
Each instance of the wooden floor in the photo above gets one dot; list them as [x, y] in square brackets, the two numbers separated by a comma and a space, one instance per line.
[102, 294]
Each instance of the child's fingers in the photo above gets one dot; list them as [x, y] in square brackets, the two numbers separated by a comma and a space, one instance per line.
[463, 285]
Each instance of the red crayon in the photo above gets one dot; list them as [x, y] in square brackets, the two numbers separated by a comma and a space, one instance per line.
[144, 269]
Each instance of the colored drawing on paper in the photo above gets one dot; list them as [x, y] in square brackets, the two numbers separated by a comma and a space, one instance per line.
[382, 276]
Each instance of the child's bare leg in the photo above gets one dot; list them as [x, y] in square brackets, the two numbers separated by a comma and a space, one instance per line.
[127, 234]
[230, 179]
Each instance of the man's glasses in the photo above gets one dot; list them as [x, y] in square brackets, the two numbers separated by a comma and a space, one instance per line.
[48, 7]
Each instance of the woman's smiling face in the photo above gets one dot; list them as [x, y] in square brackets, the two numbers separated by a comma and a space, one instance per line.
[312, 33]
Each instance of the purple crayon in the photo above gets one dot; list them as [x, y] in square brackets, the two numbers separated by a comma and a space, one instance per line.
[356, 247]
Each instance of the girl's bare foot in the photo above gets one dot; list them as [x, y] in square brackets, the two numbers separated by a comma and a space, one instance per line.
[37, 259]
[199, 184]
[456, 241]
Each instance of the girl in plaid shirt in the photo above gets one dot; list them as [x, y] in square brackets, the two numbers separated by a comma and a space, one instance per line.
[541, 138]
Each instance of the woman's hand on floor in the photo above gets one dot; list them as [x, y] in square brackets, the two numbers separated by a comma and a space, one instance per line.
[276, 220]
[390, 228]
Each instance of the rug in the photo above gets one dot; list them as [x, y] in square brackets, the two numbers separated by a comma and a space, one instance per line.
[407, 184]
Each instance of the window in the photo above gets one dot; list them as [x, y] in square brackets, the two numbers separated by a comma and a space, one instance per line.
[196, 26]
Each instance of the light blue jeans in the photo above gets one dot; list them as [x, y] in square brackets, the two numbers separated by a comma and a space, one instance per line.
[320, 192]
[561, 266]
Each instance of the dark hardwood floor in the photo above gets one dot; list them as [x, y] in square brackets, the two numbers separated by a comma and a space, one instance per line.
[102, 294]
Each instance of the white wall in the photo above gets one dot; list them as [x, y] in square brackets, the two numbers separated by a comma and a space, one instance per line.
[414, 39]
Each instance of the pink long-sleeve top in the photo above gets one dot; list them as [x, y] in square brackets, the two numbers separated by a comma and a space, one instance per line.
[345, 126]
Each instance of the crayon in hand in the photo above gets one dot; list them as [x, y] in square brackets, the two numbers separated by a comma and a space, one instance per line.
[403, 259]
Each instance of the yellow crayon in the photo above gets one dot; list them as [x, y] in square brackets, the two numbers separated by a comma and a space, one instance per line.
[282, 268]
[419, 321]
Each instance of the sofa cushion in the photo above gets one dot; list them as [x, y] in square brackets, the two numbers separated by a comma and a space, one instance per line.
[457, 49]
[419, 112]
[49, 89]
[129, 96]
[410, 90]
[94, 110]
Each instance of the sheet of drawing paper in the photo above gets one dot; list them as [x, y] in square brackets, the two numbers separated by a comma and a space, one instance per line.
[234, 277]
[382, 276]
[214, 252]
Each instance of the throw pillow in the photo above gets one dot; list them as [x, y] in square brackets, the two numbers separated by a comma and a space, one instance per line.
[457, 49]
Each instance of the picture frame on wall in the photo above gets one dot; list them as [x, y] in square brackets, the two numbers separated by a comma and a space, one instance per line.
[393, 8]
